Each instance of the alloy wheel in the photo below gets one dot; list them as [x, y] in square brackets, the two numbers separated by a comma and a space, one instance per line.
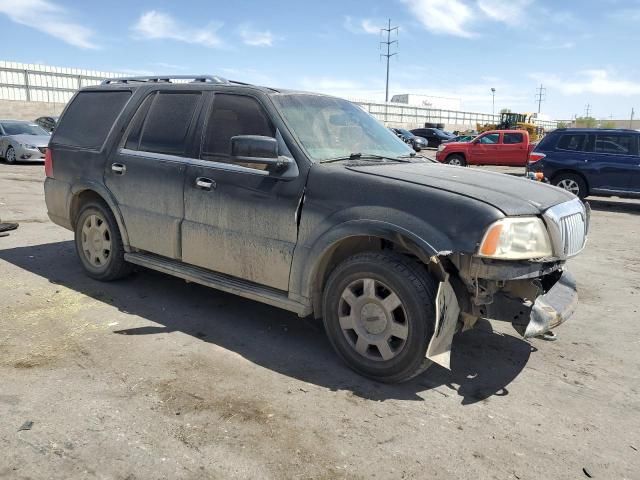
[570, 185]
[96, 240]
[373, 319]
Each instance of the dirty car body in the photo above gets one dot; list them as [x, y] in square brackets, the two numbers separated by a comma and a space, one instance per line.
[307, 203]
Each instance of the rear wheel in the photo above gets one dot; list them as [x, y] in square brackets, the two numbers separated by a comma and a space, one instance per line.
[379, 315]
[99, 244]
[572, 183]
[456, 160]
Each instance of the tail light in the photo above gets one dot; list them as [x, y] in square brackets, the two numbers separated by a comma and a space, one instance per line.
[48, 163]
[536, 157]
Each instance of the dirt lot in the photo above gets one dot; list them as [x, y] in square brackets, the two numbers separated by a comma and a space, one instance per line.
[152, 377]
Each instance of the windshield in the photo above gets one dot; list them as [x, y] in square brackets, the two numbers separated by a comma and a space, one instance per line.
[406, 133]
[331, 128]
[23, 128]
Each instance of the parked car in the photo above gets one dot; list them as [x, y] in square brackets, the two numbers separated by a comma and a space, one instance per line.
[20, 140]
[417, 143]
[48, 123]
[495, 147]
[588, 161]
[307, 203]
[434, 136]
[461, 138]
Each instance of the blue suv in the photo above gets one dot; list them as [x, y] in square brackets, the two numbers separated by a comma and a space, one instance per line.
[589, 161]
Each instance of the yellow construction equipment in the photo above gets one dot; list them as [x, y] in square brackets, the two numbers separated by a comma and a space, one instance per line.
[516, 121]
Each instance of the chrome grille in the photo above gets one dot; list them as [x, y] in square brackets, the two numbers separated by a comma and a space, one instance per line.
[572, 233]
[568, 224]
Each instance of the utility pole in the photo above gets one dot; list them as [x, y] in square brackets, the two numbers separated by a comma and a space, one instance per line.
[389, 54]
[587, 110]
[541, 95]
[631, 119]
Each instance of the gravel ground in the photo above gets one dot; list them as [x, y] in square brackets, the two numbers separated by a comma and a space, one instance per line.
[152, 377]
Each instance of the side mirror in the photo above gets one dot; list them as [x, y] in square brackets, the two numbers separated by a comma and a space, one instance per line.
[257, 149]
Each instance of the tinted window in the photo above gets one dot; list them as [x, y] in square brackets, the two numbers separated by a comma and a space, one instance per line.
[233, 115]
[574, 142]
[135, 127]
[511, 138]
[492, 138]
[167, 123]
[88, 119]
[615, 144]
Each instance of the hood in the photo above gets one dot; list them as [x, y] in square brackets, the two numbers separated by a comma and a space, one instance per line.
[37, 140]
[511, 195]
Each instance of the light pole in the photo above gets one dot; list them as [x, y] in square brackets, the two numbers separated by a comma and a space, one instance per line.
[493, 100]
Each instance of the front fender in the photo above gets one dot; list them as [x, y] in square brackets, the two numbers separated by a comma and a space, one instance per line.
[310, 259]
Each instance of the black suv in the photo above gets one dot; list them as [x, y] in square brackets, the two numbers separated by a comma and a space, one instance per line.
[590, 161]
[308, 203]
[434, 136]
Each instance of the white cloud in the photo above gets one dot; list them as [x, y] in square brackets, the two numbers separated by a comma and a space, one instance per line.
[154, 25]
[449, 17]
[256, 38]
[365, 25]
[598, 81]
[49, 18]
[511, 12]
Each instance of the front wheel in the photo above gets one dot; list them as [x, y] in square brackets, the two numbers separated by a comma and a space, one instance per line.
[379, 315]
[456, 160]
[572, 183]
[10, 155]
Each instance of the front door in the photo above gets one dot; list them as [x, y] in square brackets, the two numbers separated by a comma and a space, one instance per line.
[239, 220]
[483, 150]
[146, 172]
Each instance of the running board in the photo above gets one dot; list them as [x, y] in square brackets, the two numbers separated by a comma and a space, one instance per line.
[219, 281]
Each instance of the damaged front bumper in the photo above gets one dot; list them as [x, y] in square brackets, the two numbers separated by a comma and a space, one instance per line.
[531, 318]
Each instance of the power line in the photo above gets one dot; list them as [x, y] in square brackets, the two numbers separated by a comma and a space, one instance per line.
[389, 54]
[541, 96]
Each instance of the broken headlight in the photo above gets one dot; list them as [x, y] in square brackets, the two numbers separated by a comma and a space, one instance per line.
[519, 238]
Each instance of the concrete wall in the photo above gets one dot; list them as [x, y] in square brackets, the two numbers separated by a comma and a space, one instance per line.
[19, 110]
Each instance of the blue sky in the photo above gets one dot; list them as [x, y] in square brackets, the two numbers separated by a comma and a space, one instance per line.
[583, 51]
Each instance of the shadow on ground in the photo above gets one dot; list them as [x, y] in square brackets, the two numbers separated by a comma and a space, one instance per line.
[619, 206]
[483, 362]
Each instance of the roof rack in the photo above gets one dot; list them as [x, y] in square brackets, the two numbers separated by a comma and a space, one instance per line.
[167, 79]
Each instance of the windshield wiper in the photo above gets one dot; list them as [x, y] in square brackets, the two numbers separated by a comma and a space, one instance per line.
[363, 156]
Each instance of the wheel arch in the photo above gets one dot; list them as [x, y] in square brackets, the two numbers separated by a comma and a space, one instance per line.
[457, 154]
[86, 192]
[349, 239]
[566, 171]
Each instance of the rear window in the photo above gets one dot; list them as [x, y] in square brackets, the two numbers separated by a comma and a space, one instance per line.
[167, 124]
[572, 142]
[511, 138]
[88, 119]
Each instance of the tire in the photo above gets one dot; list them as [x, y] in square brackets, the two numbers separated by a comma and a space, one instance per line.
[355, 302]
[456, 160]
[10, 155]
[99, 243]
[572, 183]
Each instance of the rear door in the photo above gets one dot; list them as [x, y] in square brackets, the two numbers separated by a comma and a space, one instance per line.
[615, 161]
[239, 220]
[513, 150]
[146, 172]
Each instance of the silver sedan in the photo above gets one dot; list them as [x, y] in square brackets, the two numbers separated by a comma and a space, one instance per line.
[22, 141]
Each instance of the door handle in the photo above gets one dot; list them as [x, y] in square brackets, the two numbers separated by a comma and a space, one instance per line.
[204, 183]
[118, 168]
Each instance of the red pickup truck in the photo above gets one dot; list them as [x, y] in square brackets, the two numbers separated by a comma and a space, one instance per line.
[495, 147]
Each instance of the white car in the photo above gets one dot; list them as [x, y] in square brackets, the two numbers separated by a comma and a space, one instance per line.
[22, 141]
